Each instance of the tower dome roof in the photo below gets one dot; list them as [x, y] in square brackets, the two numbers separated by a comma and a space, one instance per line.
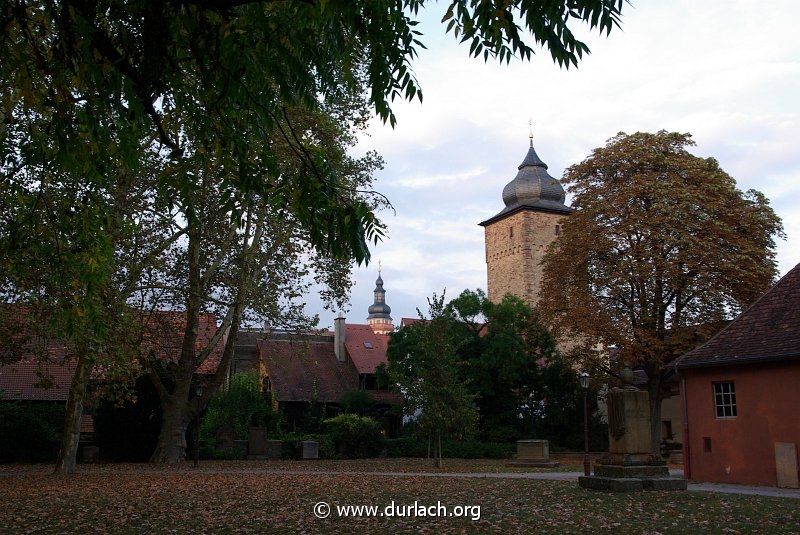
[534, 187]
[379, 309]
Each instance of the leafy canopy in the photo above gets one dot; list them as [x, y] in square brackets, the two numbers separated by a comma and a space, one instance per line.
[178, 79]
[660, 241]
[493, 355]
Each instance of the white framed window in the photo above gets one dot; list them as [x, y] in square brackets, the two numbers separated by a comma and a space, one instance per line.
[725, 399]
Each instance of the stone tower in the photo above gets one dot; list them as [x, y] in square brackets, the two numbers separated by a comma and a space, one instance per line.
[518, 236]
[379, 318]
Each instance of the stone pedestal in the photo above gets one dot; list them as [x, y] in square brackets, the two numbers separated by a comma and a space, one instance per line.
[534, 453]
[310, 449]
[629, 464]
[259, 447]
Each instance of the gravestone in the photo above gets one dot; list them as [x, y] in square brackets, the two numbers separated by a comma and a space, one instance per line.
[534, 453]
[91, 454]
[225, 439]
[630, 464]
[259, 447]
[786, 465]
[310, 449]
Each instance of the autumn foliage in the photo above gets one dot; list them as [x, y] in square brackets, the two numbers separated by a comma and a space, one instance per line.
[661, 244]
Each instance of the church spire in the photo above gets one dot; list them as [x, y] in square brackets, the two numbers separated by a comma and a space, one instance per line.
[379, 312]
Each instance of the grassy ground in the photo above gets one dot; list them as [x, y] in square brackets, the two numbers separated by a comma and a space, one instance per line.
[123, 499]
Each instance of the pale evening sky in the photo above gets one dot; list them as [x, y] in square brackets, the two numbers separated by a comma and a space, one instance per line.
[727, 71]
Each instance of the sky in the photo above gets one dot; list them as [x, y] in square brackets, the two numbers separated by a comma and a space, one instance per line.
[726, 71]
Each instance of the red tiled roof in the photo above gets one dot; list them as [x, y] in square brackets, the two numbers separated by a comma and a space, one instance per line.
[164, 334]
[405, 322]
[299, 367]
[768, 330]
[358, 340]
[32, 380]
[47, 376]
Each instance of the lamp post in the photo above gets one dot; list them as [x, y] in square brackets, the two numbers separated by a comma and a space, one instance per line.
[198, 390]
[585, 387]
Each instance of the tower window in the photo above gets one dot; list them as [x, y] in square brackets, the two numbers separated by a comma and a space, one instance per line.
[558, 230]
[510, 232]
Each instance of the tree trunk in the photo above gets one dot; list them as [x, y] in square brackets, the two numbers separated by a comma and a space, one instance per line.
[171, 445]
[438, 449]
[70, 437]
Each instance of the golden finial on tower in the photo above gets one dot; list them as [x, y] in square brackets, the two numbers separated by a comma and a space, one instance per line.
[530, 130]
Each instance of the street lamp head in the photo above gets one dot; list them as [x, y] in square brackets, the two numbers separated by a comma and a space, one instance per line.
[584, 380]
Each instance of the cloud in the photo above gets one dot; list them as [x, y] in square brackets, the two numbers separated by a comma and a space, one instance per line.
[421, 181]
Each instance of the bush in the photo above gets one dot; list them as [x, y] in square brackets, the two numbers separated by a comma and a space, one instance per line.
[129, 432]
[452, 449]
[358, 402]
[474, 449]
[30, 431]
[355, 436]
[240, 406]
[406, 447]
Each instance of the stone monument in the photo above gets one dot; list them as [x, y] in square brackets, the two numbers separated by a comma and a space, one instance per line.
[534, 453]
[630, 464]
[309, 449]
[260, 447]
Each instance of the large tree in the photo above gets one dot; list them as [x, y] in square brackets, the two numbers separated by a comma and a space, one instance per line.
[505, 348]
[660, 246]
[499, 357]
[254, 267]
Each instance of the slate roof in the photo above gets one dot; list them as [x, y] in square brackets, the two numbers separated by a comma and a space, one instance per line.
[769, 330]
[300, 367]
[532, 189]
[379, 308]
[357, 342]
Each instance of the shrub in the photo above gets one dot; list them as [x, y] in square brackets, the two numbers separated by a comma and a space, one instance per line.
[240, 406]
[355, 436]
[358, 402]
[30, 431]
[406, 447]
[129, 431]
[474, 449]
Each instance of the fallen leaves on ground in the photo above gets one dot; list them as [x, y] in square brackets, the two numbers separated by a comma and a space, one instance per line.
[143, 498]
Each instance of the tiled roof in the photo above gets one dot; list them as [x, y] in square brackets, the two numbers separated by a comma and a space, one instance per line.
[768, 330]
[405, 322]
[47, 375]
[366, 349]
[300, 368]
[32, 380]
[164, 334]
